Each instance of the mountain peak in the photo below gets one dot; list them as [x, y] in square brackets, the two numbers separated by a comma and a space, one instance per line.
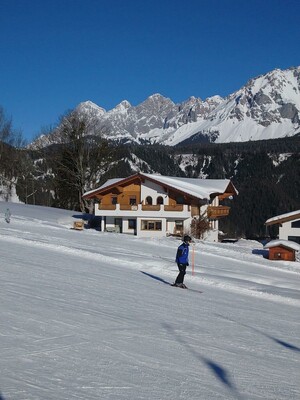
[267, 107]
[156, 96]
[90, 107]
[122, 107]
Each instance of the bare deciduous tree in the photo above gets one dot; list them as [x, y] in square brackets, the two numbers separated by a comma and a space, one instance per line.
[9, 135]
[82, 157]
[199, 226]
[10, 154]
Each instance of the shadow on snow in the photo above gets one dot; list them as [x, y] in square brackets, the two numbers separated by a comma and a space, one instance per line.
[157, 278]
[282, 343]
[218, 371]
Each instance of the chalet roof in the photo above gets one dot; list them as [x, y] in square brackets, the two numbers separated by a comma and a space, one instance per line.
[279, 219]
[285, 243]
[199, 188]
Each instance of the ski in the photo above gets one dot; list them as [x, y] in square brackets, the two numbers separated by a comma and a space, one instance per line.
[185, 287]
[157, 278]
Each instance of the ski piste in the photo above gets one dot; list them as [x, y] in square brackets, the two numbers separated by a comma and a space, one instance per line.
[186, 288]
[157, 278]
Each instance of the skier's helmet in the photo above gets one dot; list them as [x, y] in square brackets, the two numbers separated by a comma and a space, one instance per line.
[187, 238]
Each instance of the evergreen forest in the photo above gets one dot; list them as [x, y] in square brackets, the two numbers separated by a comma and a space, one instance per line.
[265, 173]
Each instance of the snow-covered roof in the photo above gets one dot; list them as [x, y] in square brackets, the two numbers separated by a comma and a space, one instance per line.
[280, 242]
[283, 218]
[109, 182]
[199, 188]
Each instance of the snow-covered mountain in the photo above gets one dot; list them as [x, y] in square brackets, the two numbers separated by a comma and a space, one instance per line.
[267, 107]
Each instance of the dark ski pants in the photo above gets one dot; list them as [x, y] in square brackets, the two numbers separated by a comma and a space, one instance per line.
[180, 277]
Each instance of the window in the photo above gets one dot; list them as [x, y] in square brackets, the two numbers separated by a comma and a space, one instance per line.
[159, 200]
[131, 224]
[149, 200]
[296, 224]
[114, 199]
[179, 200]
[151, 225]
[294, 239]
[179, 224]
[132, 200]
[179, 227]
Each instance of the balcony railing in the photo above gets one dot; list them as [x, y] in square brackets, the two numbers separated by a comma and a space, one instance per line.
[141, 207]
[106, 206]
[215, 212]
[148, 207]
[127, 207]
[177, 207]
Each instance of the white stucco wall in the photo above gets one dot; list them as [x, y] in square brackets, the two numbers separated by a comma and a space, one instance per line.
[286, 230]
[149, 188]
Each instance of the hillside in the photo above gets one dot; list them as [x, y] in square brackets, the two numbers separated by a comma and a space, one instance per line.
[266, 174]
[87, 316]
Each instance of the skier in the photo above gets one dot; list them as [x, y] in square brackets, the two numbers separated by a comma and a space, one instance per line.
[7, 215]
[182, 260]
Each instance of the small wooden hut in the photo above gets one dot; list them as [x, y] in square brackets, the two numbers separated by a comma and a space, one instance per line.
[284, 250]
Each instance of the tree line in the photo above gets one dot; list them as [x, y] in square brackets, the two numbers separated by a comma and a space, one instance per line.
[266, 173]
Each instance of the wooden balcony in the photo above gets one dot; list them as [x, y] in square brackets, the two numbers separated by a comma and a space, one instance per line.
[148, 207]
[138, 208]
[216, 212]
[106, 206]
[128, 207]
[177, 207]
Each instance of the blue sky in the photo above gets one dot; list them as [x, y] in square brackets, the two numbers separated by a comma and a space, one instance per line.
[55, 54]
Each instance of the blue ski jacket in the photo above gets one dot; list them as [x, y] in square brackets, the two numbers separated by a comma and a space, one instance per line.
[182, 255]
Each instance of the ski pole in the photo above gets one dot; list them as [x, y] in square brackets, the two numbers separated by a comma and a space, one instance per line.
[193, 260]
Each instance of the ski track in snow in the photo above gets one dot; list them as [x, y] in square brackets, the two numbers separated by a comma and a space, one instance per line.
[79, 319]
[260, 289]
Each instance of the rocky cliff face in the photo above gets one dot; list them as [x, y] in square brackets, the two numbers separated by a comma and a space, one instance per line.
[267, 107]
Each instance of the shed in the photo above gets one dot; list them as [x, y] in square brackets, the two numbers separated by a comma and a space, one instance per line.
[280, 249]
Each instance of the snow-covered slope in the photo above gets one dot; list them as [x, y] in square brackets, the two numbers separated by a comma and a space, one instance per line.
[267, 107]
[86, 315]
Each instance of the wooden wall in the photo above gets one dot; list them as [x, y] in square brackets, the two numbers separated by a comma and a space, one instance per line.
[281, 253]
[123, 194]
